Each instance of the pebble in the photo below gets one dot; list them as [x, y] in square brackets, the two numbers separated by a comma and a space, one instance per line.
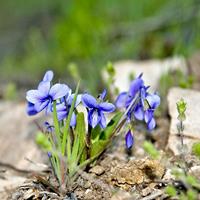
[98, 170]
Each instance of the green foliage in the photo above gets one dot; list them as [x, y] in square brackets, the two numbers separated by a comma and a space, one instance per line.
[196, 149]
[104, 137]
[10, 91]
[192, 184]
[192, 195]
[79, 146]
[181, 108]
[76, 32]
[151, 150]
[74, 72]
[170, 190]
[110, 69]
[43, 141]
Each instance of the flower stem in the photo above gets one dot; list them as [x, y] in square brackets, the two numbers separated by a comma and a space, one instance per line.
[183, 150]
[123, 118]
[66, 135]
[88, 141]
[56, 124]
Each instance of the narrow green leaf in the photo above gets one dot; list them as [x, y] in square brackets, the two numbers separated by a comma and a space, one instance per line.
[66, 135]
[151, 150]
[100, 145]
[112, 125]
[79, 140]
[95, 134]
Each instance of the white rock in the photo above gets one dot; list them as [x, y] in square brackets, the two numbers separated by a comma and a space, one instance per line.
[191, 124]
[17, 136]
[11, 182]
[122, 195]
[151, 69]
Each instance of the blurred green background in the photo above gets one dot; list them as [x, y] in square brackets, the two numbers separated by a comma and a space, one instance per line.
[76, 38]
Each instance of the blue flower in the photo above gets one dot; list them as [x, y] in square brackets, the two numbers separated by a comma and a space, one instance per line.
[63, 108]
[97, 109]
[145, 103]
[48, 76]
[129, 139]
[49, 154]
[30, 109]
[153, 101]
[44, 95]
[30, 106]
[49, 127]
[125, 98]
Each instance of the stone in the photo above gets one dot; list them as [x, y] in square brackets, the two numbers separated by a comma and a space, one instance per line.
[192, 122]
[136, 172]
[152, 71]
[122, 195]
[195, 171]
[11, 182]
[17, 136]
[98, 170]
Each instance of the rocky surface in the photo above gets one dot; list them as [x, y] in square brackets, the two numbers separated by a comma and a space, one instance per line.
[192, 122]
[136, 172]
[19, 153]
[151, 69]
[17, 136]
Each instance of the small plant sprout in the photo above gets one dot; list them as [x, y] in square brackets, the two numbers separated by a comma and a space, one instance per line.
[70, 143]
[181, 108]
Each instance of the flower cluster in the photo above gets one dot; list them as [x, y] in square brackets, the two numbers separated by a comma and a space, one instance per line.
[140, 105]
[42, 99]
[67, 142]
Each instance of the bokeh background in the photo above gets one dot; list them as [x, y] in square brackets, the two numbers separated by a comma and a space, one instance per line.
[76, 38]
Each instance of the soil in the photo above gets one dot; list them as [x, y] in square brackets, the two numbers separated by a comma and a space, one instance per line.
[117, 175]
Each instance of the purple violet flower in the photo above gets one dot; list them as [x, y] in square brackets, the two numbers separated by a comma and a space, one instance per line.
[48, 76]
[145, 103]
[63, 108]
[30, 106]
[45, 94]
[96, 109]
[153, 101]
[49, 127]
[49, 154]
[129, 139]
[125, 98]
[30, 109]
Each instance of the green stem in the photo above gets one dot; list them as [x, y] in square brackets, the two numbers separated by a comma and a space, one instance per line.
[66, 135]
[88, 141]
[123, 118]
[56, 125]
